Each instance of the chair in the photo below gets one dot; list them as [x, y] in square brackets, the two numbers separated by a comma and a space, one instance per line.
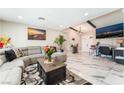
[105, 50]
[92, 49]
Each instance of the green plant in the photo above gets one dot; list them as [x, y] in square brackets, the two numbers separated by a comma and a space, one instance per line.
[59, 41]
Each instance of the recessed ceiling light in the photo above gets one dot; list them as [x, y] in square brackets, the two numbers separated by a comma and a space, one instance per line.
[19, 17]
[86, 14]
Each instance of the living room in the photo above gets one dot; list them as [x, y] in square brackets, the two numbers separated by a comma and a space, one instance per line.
[70, 44]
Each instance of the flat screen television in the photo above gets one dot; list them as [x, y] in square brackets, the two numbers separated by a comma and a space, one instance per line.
[115, 30]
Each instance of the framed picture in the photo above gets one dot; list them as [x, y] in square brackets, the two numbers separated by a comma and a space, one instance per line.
[36, 34]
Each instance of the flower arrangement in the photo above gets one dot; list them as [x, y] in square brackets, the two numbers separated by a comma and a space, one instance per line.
[49, 50]
[1, 45]
[4, 41]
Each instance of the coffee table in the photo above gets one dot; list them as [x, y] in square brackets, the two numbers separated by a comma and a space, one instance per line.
[51, 73]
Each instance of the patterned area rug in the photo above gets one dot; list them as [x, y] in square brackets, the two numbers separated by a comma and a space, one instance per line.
[31, 77]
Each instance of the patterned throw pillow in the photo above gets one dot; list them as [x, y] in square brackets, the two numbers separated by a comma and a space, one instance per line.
[18, 52]
[21, 52]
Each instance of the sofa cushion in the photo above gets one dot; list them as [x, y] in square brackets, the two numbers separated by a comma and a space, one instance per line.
[2, 51]
[24, 50]
[11, 65]
[3, 58]
[28, 60]
[36, 55]
[11, 77]
[2, 54]
[3, 76]
[30, 56]
[1, 62]
[34, 50]
[10, 55]
[59, 57]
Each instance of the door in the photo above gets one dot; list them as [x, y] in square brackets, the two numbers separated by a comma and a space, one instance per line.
[86, 43]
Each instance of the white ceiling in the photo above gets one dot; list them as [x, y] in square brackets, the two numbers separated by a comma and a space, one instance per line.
[109, 19]
[54, 16]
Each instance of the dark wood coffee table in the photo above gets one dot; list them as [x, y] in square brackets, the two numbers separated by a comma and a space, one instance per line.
[51, 73]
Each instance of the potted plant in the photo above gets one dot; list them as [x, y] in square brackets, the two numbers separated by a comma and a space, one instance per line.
[59, 41]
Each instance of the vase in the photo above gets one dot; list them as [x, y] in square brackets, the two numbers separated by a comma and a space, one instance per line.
[49, 58]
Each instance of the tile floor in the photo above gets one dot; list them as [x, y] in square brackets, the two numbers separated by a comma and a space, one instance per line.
[96, 70]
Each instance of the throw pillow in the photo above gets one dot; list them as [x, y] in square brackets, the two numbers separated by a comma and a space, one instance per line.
[18, 53]
[10, 55]
[1, 62]
[21, 52]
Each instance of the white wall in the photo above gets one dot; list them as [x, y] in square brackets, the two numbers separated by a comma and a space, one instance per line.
[18, 34]
[108, 41]
[87, 38]
[69, 35]
[87, 32]
[0, 27]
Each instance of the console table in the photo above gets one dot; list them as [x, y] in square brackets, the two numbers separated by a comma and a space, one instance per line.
[51, 73]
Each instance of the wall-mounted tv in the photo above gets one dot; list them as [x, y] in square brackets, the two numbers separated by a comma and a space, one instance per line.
[115, 30]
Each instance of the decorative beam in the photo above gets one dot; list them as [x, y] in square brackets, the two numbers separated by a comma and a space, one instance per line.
[74, 29]
[90, 23]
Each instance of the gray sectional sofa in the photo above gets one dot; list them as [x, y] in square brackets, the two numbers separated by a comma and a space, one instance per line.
[11, 72]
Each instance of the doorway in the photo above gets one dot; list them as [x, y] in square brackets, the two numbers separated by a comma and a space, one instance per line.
[86, 43]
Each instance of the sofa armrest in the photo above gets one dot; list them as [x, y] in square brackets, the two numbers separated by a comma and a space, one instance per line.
[59, 57]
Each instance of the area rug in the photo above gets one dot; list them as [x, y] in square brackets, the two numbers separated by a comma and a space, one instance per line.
[31, 77]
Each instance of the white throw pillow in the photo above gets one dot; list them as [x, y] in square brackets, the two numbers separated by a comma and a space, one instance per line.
[1, 62]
